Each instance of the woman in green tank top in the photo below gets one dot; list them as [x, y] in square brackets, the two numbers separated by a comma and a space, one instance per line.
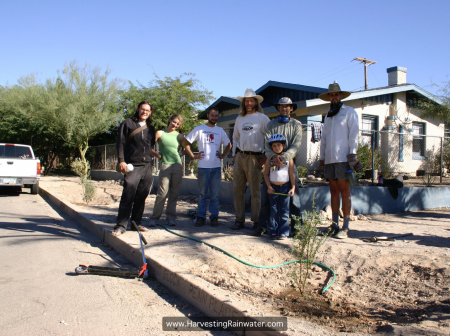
[171, 170]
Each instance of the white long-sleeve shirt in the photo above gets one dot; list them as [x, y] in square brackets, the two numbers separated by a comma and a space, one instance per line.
[340, 136]
[249, 131]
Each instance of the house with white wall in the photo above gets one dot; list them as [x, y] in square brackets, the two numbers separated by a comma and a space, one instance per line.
[400, 129]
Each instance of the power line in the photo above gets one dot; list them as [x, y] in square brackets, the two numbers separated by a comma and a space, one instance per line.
[327, 74]
[331, 74]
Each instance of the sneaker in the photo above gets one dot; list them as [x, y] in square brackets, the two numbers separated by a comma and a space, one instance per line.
[171, 222]
[152, 223]
[238, 226]
[215, 221]
[331, 231]
[273, 237]
[199, 222]
[342, 234]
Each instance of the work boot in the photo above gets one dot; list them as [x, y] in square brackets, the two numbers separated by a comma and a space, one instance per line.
[332, 230]
[342, 234]
[238, 226]
[199, 222]
[258, 232]
[215, 221]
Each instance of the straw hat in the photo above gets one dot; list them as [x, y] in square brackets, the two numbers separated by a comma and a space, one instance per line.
[334, 88]
[286, 101]
[249, 93]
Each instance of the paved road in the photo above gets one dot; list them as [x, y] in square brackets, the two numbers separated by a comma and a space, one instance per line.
[41, 295]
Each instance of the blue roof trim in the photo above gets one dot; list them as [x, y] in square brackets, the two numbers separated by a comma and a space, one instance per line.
[367, 94]
[292, 87]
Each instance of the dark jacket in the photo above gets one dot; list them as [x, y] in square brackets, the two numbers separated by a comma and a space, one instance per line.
[138, 151]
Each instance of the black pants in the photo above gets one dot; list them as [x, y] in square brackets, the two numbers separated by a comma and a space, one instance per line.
[136, 187]
[294, 204]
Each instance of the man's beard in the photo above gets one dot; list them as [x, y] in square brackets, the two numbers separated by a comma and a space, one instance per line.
[212, 122]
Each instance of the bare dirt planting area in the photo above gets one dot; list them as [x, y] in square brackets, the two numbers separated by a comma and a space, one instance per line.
[399, 287]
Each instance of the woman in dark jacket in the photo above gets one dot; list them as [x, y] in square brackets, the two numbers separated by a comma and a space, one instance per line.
[135, 149]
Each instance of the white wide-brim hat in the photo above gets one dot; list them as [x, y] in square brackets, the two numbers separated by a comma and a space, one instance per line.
[249, 93]
[334, 88]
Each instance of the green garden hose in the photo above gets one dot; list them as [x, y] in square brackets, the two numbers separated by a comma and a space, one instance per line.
[249, 264]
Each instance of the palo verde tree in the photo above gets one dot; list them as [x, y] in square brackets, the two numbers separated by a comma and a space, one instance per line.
[79, 104]
[434, 110]
[183, 95]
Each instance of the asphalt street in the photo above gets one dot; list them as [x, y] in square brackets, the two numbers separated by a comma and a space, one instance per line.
[40, 294]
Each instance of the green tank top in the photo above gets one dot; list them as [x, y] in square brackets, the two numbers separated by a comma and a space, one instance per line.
[168, 146]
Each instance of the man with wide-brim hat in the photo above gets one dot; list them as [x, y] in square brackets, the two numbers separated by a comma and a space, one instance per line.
[248, 156]
[292, 130]
[338, 158]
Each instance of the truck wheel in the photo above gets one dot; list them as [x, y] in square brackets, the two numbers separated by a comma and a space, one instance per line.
[35, 188]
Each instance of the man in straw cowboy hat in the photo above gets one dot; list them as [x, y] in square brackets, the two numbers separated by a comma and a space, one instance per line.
[292, 131]
[248, 147]
[338, 154]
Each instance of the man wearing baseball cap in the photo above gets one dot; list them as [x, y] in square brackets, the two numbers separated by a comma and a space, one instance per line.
[292, 130]
[338, 148]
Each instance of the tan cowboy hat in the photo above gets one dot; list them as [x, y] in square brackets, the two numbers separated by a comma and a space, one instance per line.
[249, 93]
[334, 88]
[286, 101]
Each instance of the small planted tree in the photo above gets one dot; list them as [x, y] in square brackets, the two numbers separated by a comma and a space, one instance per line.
[306, 245]
[78, 167]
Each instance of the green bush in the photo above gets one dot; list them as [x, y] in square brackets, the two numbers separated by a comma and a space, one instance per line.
[88, 190]
[306, 245]
[302, 171]
[364, 154]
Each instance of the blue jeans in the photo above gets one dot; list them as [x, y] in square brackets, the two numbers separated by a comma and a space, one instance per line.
[209, 179]
[279, 210]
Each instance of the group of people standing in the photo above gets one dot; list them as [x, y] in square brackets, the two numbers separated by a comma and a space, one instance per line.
[257, 142]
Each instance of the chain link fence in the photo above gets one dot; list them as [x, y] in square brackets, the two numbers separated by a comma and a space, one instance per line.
[406, 153]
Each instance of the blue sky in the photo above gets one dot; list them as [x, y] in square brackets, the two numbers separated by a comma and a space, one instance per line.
[229, 45]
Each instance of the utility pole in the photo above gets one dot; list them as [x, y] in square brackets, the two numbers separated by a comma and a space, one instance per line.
[366, 62]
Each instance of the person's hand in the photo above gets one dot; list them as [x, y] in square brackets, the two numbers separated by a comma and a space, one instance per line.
[199, 156]
[291, 192]
[159, 156]
[262, 161]
[123, 167]
[277, 160]
[352, 160]
[321, 165]
[219, 155]
[270, 190]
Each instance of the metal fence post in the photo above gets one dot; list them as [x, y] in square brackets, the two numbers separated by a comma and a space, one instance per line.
[442, 157]
[372, 144]
[104, 167]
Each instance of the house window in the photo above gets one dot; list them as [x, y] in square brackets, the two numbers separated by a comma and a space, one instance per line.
[418, 146]
[369, 124]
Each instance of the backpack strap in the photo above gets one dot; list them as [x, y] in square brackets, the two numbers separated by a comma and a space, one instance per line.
[136, 131]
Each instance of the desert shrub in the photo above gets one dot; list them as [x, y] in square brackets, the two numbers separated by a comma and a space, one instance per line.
[306, 245]
[228, 173]
[78, 167]
[88, 190]
[364, 154]
[302, 171]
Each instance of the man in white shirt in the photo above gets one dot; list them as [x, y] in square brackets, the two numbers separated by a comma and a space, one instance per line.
[209, 137]
[338, 154]
[248, 148]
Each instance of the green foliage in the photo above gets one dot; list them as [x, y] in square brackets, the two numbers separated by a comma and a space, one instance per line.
[78, 167]
[228, 173]
[306, 245]
[88, 190]
[70, 110]
[364, 154]
[302, 171]
[436, 111]
[168, 96]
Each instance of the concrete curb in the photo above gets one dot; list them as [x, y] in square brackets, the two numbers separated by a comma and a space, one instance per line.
[211, 300]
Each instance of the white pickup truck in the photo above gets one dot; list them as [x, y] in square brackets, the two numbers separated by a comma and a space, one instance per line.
[19, 167]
